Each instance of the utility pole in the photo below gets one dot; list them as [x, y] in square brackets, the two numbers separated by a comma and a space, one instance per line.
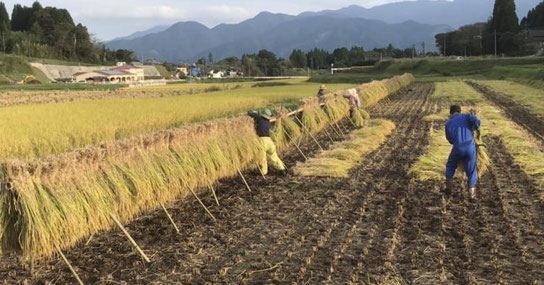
[413, 50]
[423, 47]
[445, 54]
[495, 42]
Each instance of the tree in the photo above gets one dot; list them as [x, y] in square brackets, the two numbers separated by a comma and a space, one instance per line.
[5, 25]
[534, 18]
[298, 58]
[504, 17]
[268, 63]
[210, 59]
[341, 57]
[504, 24]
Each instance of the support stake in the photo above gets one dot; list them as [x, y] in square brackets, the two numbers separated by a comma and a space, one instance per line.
[243, 178]
[69, 265]
[170, 218]
[261, 171]
[204, 206]
[296, 145]
[130, 238]
[214, 195]
[308, 131]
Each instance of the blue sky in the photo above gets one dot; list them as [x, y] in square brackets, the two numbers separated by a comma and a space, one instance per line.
[108, 19]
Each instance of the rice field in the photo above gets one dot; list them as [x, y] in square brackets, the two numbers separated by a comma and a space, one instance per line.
[192, 197]
[31, 131]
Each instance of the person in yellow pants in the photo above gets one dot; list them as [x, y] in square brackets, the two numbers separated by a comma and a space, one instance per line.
[269, 153]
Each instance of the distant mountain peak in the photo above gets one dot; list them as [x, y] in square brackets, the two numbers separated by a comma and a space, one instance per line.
[399, 23]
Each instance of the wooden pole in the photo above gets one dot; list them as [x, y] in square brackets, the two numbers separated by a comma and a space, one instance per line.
[261, 171]
[170, 218]
[308, 131]
[202, 204]
[328, 134]
[69, 265]
[243, 178]
[130, 238]
[296, 145]
[214, 194]
[335, 130]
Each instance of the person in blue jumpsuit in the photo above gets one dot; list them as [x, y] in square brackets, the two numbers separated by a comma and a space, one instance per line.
[459, 133]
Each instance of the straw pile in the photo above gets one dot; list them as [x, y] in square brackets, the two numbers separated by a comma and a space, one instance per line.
[344, 155]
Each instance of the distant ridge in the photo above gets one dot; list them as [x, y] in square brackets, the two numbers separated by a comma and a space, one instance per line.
[402, 24]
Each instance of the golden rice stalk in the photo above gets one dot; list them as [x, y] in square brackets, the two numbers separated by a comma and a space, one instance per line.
[344, 155]
[58, 202]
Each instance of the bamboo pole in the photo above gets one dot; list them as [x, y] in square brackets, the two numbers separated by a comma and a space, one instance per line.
[329, 135]
[334, 129]
[202, 204]
[243, 178]
[69, 265]
[296, 145]
[214, 194]
[170, 218]
[130, 238]
[261, 171]
[308, 131]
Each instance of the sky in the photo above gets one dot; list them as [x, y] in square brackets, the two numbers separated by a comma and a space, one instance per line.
[108, 19]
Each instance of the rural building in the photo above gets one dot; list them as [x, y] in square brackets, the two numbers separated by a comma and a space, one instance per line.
[537, 35]
[120, 74]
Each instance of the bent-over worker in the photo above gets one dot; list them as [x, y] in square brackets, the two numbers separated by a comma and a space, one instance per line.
[459, 134]
[269, 152]
[354, 102]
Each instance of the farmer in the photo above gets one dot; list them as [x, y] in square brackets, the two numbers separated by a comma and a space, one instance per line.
[321, 92]
[262, 125]
[354, 102]
[459, 134]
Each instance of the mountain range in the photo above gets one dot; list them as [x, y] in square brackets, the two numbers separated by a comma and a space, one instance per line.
[402, 24]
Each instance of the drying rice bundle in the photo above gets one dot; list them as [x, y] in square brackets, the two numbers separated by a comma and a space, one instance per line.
[335, 108]
[364, 114]
[285, 130]
[371, 93]
[313, 116]
[58, 203]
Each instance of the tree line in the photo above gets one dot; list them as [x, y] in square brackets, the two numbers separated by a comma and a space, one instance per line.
[49, 32]
[266, 63]
[502, 34]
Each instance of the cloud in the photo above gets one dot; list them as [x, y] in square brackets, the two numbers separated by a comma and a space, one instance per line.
[215, 14]
[146, 11]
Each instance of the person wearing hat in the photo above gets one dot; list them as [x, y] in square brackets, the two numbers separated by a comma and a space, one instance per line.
[321, 92]
[354, 102]
[269, 152]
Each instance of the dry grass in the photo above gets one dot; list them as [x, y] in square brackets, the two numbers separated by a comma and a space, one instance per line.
[344, 155]
[530, 97]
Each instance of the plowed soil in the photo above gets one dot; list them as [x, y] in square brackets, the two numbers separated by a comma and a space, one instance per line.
[380, 224]
[520, 114]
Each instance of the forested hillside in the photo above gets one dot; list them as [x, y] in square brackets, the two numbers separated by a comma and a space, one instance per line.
[49, 32]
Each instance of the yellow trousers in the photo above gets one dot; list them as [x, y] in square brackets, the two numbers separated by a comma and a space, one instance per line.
[269, 153]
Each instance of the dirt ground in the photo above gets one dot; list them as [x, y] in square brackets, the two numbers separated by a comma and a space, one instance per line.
[380, 224]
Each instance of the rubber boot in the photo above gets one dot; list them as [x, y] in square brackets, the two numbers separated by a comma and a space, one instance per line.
[472, 191]
[449, 186]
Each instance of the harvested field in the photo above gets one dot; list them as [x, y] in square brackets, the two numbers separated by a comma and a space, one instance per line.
[521, 114]
[378, 224]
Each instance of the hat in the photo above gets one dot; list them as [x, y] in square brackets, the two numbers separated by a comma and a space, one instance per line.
[266, 113]
[323, 87]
